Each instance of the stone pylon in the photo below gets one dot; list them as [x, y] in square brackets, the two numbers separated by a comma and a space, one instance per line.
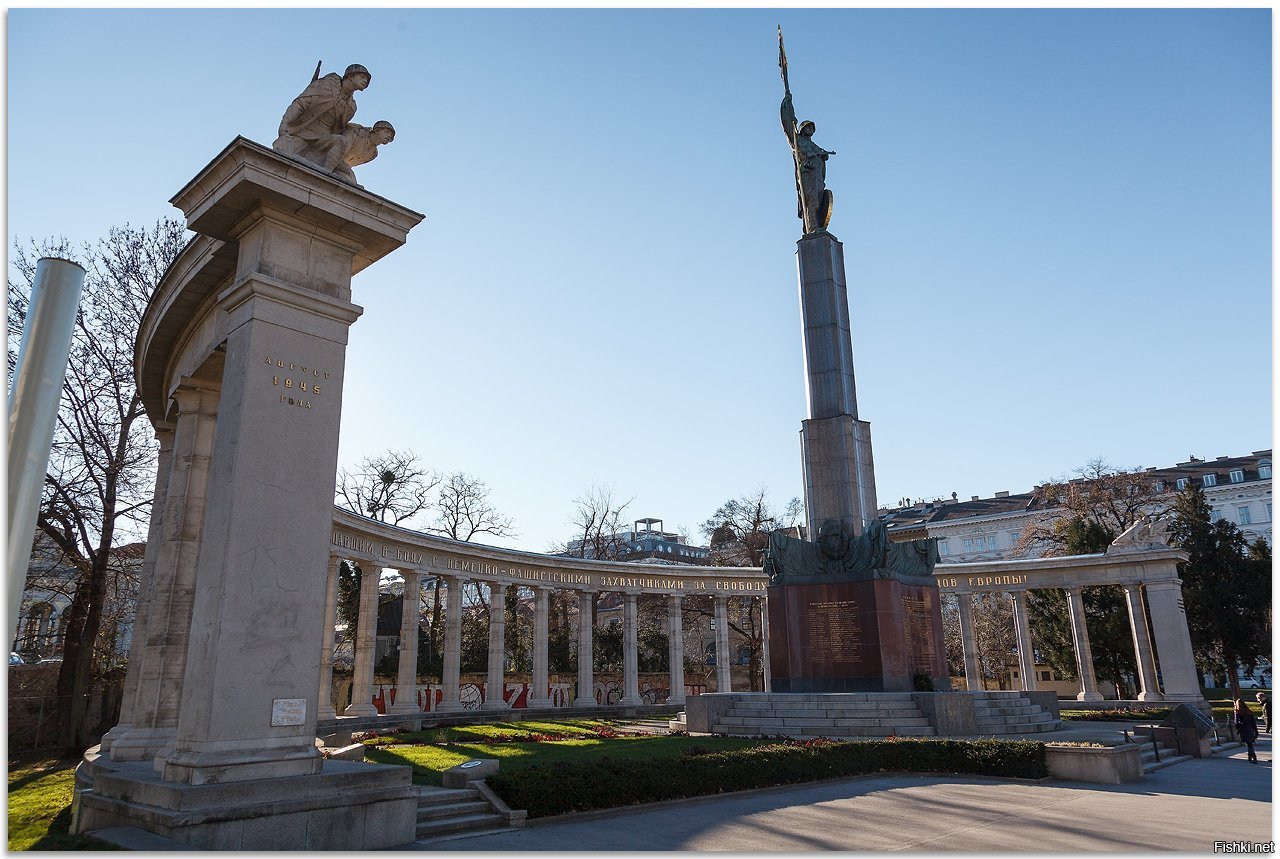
[839, 475]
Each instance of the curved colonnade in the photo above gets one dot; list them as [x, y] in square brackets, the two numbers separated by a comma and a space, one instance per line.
[420, 558]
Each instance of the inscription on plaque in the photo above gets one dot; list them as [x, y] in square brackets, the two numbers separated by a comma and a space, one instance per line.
[917, 612]
[296, 380]
[834, 632]
[288, 711]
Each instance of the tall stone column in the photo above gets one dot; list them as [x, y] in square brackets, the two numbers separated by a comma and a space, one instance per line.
[407, 675]
[675, 648]
[1026, 650]
[724, 661]
[142, 613]
[1173, 641]
[839, 474]
[969, 643]
[1080, 640]
[630, 653]
[166, 638]
[366, 639]
[495, 683]
[325, 709]
[538, 698]
[451, 676]
[586, 658]
[764, 643]
[1149, 688]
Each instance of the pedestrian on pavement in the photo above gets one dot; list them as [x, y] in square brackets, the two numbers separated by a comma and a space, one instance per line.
[1246, 728]
[1265, 703]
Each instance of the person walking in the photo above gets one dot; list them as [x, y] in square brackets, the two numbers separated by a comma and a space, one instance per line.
[1246, 728]
[1265, 703]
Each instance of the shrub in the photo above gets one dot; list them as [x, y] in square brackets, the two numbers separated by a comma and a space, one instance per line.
[608, 783]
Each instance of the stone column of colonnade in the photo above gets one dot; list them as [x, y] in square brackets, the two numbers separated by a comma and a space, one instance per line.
[538, 698]
[1173, 641]
[724, 677]
[675, 648]
[969, 643]
[163, 642]
[630, 653]
[142, 614]
[1149, 688]
[407, 673]
[494, 681]
[325, 709]
[1080, 640]
[764, 642]
[1026, 650]
[366, 637]
[586, 659]
[452, 669]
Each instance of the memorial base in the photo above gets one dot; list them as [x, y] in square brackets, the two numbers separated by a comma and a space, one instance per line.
[878, 635]
[346, 806]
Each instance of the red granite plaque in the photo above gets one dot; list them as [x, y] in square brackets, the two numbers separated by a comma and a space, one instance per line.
[877, 635]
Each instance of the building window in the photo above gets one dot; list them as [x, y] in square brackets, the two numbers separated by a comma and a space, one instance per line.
[1014, 536]
[1214, 515]
[1268, 512]
[1264, 469]
[1210, 480]
[1243, 513]
[1046, 675]
[968, 545]
[943, 549]
[1159, 487]
[1182, 483]
[1237, 475]
[991, 542]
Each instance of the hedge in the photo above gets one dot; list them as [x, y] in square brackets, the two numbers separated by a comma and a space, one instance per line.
[608, 783]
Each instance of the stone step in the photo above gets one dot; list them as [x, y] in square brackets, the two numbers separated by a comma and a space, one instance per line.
[1006, 709]
[463, 823]
[824, 705]
[1037, 728]
[437, 810]
[432, 795]
[1027, 719]
[801, 722]
[834, 731]
[904, 713]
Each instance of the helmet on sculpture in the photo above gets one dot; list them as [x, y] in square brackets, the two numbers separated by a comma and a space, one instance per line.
[383, 125]
[357, 69]
[808, 125]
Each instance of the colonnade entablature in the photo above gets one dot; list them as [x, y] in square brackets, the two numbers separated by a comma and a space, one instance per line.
[1119, 568]
[356, 538]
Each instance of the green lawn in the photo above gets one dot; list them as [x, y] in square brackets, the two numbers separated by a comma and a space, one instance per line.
[432, 752]
[40, 807]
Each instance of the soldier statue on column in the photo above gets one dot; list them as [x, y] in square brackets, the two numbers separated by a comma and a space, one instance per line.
[814, 201]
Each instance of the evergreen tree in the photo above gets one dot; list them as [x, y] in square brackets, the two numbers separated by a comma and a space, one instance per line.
[1226, 587]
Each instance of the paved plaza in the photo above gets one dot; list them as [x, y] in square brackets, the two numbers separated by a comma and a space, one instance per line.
[1185, 807]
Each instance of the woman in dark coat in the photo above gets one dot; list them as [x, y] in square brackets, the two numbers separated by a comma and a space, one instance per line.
[1246, 728]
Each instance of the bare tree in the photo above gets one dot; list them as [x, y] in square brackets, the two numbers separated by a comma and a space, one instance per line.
[739, 531]
[464, 510]
[1099, 498]
[598, 525]
[993, 632]
[393, 487]
[100, 480]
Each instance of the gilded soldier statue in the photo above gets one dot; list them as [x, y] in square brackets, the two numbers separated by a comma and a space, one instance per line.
[814, 201]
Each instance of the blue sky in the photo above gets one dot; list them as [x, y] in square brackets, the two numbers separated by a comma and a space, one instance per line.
[1057, 229]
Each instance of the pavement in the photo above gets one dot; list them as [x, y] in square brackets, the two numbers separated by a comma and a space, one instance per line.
[1186, 807]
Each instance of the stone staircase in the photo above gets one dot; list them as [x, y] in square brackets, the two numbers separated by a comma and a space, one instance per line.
[1157, 756]
[459, 812]
[1010, 713]
[853, 714]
